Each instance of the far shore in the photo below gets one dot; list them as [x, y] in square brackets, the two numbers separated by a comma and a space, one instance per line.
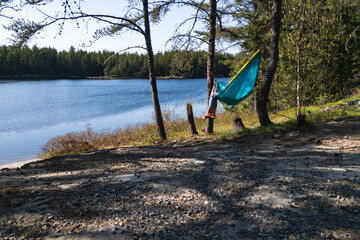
[57, 77]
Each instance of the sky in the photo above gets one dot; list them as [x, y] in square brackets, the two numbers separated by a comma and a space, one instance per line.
[72, 35]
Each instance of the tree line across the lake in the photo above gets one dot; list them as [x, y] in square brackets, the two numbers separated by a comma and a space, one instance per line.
[50, 63]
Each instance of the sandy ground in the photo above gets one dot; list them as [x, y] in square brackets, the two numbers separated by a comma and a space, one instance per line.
[302, 184]
[18, 164]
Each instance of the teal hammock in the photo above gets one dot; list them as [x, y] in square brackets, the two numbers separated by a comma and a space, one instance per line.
[242, 84]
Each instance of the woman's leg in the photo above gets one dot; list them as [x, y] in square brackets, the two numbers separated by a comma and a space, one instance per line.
[213, 102]
[212, 107]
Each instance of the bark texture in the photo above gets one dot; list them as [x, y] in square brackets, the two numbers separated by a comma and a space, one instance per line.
[210, 60]
[271, 68]
[152, 75]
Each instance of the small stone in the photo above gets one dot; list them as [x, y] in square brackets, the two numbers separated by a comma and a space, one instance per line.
[294, 134]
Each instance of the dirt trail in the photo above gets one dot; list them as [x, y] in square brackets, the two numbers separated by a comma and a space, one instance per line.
[303, 184]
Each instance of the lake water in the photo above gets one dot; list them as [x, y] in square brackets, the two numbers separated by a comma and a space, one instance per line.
[32, 112]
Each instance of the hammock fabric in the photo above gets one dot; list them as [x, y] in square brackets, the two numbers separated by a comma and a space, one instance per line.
[242, 84]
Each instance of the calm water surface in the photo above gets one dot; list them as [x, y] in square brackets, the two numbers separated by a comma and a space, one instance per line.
[32, 112]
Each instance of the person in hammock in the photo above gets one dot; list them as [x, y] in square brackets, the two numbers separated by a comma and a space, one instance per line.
[212, 105]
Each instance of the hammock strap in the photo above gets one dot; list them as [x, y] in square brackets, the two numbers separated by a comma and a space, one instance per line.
[215, 82]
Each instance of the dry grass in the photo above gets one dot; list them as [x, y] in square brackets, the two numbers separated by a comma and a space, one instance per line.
[139, 134]
[177, 128]
[131, 135]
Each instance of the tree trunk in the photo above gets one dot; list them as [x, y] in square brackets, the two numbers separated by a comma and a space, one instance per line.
[255, 98]
[152, 75]
[298, 78]
[271, 68]
[298, 59]
[210, 61]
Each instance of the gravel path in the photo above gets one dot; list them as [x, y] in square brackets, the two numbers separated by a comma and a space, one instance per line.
[303, 184]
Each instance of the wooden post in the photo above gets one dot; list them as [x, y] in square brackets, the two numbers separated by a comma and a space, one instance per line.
[192, 127]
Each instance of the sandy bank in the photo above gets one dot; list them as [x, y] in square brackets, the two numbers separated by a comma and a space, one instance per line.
[17, 164]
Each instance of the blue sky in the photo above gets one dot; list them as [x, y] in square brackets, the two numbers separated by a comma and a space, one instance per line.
[75, 36]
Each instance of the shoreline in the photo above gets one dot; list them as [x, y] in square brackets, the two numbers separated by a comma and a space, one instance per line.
[58, 77]
[17, 164]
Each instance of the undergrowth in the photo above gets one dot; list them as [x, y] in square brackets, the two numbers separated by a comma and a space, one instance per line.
[177, 128]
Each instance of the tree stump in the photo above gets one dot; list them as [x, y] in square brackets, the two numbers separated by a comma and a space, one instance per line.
[300, 120]
[238, 124]
[192, 127]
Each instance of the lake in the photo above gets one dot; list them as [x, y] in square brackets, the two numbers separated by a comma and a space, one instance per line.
[32, 112]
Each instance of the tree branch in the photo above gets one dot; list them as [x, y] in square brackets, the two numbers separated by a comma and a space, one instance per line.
[123, 50]
[24, 31]
[4, 6]
[352, 35]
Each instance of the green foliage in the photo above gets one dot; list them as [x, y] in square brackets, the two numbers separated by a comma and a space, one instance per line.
[311, 50]
[336, 114]
[23, 30]
[324, 32]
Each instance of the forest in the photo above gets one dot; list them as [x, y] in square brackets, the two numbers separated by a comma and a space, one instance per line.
[318, 50]
[50, 63]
